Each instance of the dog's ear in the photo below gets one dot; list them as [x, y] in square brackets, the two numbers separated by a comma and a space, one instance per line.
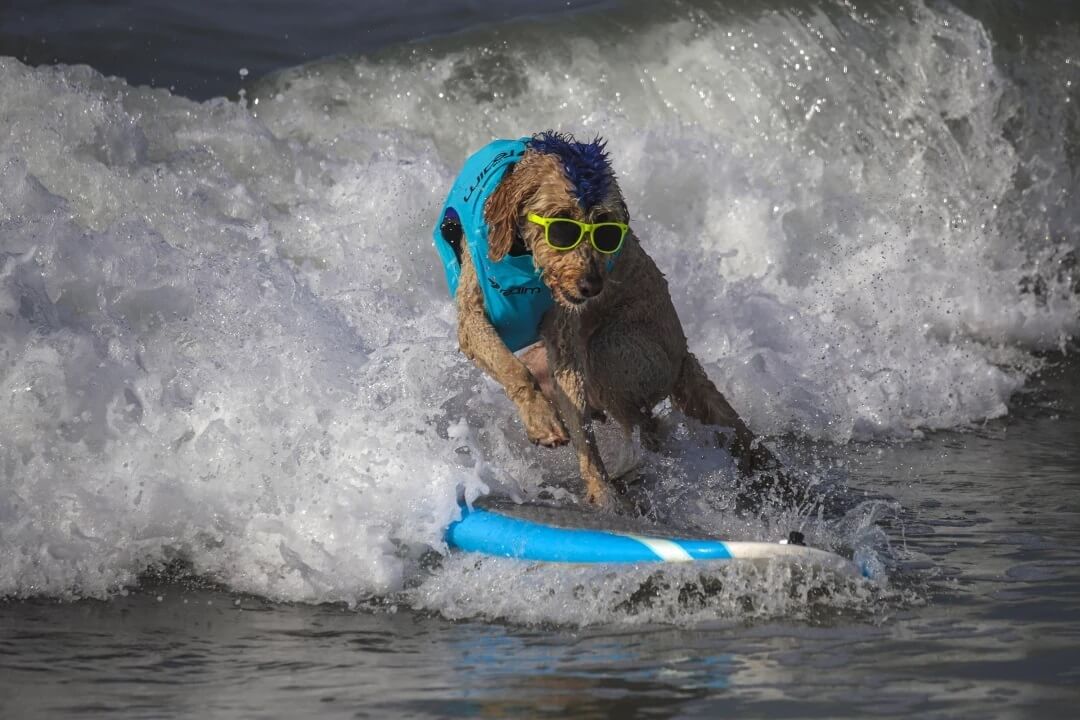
[502, 212]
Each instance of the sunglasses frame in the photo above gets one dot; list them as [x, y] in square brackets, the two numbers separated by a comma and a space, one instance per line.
[589, 228]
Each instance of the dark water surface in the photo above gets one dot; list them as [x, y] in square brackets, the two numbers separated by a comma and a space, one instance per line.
[199, 49]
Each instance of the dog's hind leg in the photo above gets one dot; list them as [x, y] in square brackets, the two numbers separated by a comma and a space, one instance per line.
[696, 395]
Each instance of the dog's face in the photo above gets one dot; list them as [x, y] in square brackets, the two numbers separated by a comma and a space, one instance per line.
[540, 183]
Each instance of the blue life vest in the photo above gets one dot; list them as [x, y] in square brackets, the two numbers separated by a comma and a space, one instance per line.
[515, 299]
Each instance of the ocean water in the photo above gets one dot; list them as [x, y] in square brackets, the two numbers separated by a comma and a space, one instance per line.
[234, 424]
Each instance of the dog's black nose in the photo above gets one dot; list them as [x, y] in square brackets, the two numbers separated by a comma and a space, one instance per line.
[590, 285]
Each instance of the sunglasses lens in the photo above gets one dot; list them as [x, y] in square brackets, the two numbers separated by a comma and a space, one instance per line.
[608, 238]
[563, 234]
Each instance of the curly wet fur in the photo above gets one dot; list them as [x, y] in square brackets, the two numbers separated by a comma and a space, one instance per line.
[614, 343]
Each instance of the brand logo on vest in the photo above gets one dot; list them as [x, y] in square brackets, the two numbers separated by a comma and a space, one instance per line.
[487, 168]
[521, 290]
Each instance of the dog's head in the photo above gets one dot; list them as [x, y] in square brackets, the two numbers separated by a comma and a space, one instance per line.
[557, 177]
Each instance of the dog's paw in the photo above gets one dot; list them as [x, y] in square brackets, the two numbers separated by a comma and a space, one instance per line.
[542, 423]
[600, 495]
[750, 453]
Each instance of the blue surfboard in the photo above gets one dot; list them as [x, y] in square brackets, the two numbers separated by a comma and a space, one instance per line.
[549, 535]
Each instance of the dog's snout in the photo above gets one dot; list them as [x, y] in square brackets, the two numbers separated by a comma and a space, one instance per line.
[590, 285]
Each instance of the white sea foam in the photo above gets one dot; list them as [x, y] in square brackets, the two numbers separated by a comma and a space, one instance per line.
[224, 336]
[683, 594]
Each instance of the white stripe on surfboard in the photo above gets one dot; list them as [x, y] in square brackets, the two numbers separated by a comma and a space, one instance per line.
[666, 550]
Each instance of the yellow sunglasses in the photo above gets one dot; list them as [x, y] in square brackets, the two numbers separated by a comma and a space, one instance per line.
[566, 234]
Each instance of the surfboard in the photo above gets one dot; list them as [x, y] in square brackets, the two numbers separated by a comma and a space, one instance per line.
[545, 533]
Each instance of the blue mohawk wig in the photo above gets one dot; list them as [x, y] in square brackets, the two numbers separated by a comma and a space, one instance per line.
[586, 164]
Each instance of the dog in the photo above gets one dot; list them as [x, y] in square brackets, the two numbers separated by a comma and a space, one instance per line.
[594, 317]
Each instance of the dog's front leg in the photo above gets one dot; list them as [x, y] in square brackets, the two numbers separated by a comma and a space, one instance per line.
[573, 406]
[481, 343]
